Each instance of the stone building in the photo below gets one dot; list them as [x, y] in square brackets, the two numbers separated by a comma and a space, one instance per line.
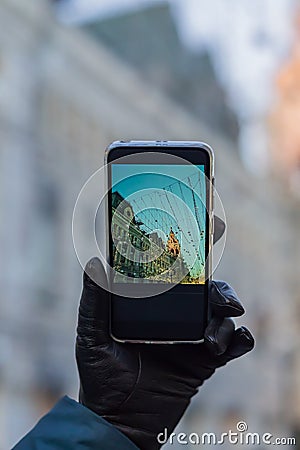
[185, 76]
[63, 98]
[284, 117]
[139, 255]
[173, 244]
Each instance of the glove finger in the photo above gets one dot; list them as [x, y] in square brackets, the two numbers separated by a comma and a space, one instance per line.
[218, 334]
[223, 300]
[241, 343]
[219, 229]
[93, 317]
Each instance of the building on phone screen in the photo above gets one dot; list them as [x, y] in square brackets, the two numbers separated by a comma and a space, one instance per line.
[144, 256]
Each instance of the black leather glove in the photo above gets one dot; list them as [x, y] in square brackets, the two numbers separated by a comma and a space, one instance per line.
[142, 389]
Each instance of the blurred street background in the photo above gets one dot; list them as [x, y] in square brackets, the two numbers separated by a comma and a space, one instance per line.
[78, 74]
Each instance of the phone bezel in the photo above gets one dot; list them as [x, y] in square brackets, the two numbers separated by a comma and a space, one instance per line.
[131, 147]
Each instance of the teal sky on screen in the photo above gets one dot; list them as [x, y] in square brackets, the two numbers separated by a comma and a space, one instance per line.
[128, 178]
[184, 181]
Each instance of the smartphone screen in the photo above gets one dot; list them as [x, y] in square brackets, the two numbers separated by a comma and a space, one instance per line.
[158, 242]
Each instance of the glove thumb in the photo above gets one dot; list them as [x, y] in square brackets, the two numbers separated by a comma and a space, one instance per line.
[93, 316]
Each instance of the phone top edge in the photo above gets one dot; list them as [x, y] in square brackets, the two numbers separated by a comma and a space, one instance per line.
[162, 144]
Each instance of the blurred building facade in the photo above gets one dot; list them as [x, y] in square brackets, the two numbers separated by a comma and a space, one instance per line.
[159, 56]
[285, 115]
[63, 98]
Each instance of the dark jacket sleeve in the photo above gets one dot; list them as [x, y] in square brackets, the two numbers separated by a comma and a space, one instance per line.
[71, 426]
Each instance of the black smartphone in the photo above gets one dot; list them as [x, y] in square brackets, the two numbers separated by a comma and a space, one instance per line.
[160, 222]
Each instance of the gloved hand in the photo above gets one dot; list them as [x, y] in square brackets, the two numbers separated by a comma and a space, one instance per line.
[142, 389]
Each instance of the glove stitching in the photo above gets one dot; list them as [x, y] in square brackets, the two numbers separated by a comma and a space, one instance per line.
[135, 384]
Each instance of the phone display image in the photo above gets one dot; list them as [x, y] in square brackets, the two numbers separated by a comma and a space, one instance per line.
[158, 223]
